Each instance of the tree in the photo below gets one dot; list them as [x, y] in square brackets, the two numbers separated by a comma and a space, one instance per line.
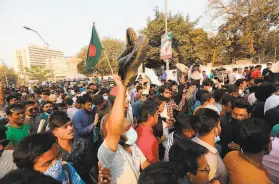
[248, 24]
[113, 49]
[188, 43]
[11, 75]
[38, 73]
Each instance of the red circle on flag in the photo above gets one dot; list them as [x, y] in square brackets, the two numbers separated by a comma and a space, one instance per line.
[92, 50]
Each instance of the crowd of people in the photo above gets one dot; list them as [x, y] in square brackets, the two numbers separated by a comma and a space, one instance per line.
[214, 128]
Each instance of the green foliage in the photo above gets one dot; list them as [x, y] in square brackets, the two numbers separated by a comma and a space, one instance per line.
[248, 27]
[11, 75]
[113, 49]
[38, 73]
[189, 43]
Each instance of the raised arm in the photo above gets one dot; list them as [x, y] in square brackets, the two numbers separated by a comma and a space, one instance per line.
[116, 117]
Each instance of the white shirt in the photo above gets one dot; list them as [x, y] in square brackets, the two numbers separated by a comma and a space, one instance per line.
[271, 162]
[216, 164]
[271, 102]
[71, 112]
[124, 167]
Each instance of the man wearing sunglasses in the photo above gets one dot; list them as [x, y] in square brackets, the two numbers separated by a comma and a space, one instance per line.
[31, 115]
[6, 156]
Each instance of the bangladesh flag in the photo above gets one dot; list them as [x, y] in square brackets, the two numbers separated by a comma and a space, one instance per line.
[94, 50]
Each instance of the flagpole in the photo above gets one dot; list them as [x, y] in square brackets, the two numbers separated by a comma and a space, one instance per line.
[104, 50]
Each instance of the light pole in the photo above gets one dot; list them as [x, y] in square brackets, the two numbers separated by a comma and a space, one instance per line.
[29, 29]
[166, 29]
[5, 72]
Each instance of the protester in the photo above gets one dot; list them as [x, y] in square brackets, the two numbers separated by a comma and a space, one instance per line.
[119, 152]
[171, 105]
[163, 173]
[83, 120]
[206, 123]
[71, 110]
[256, 74]
[138, 105]
[245, 166]
[267, 69]
[73, 149]
[27, 176]
[16, 127]
[40, 152]
[146, 141]
[6, 156]
[31, 116]
[182, 129]
[191, 157]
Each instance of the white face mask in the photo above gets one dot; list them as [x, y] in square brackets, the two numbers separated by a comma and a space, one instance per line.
[132, 136]
[105, 97]
[210, 89]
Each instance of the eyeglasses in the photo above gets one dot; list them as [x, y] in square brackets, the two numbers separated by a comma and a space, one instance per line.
[207, 170]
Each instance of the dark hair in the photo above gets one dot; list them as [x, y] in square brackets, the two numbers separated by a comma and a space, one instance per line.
[31, 147]
[207, 82]
[218, 94]
[46, 93]
[58, 119]
[87, 98]
[47, 102]
[59, 107]
[205, 97]
[9, 98]
[68, 101]
[227, 99]
[182, 122]
[3, 130]
[258, 81]
[159, 100]
[264, 91]
[239, 82]
[162, 173]
[148, 109]
[27, 176]
[91, 84]
[254, 135]
[200, 93]
[191, 84]
[14, 107]
[80, 100]
[204, 120]
[272, 116]
[185, 153]
[139, 88]
[232, 88]
[136, 82]
[163, 87]
[241, 104]
[98, 99]
[258, 66]
[234, 69]
[27, 103]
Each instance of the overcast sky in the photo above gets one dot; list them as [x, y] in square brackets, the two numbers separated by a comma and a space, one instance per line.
[66, 24]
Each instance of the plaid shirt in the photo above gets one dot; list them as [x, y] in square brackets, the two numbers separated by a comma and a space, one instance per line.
[171, 105]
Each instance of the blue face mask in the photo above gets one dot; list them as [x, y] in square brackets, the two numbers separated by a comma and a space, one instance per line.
[55, 170]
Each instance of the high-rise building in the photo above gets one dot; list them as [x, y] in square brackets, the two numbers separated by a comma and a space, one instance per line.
[34, 56]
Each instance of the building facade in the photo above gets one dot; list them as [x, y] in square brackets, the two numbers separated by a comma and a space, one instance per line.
[34, 56]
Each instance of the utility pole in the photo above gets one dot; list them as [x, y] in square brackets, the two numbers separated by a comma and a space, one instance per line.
[166, 29]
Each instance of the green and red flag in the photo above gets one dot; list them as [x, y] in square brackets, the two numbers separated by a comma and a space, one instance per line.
[94, 50]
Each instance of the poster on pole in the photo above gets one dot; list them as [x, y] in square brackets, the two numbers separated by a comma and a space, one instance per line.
[166, 47]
